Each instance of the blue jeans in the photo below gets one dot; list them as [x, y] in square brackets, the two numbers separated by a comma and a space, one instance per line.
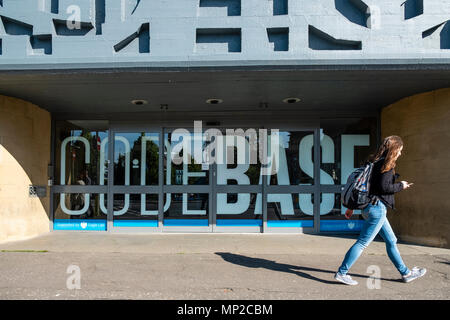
[375, 223]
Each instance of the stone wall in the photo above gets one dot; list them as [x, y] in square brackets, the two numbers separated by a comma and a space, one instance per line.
[24, 157]
[423, 122]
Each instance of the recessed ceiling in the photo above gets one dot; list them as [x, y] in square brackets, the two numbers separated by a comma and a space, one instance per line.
[110, 91]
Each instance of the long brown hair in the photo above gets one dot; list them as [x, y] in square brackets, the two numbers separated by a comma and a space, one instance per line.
[388, 150]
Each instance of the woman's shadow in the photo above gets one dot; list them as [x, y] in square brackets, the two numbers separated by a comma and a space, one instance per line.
[250, 262]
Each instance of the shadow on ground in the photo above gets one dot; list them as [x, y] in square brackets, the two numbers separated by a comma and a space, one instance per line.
[300, 271]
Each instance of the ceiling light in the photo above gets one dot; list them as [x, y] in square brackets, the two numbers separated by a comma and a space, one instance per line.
[139, 102]
[214, 101]
[291, 100]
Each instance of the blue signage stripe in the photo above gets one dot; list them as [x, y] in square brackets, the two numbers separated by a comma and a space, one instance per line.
[290, 223]
[186, 222]
[341, 225]
[238, 223]
[79, 224]
[136, 223]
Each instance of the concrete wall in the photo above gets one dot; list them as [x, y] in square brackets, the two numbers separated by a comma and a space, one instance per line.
[423, 211]
[24, 157]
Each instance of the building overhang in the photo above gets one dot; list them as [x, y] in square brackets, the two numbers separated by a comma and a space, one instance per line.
[323, 90]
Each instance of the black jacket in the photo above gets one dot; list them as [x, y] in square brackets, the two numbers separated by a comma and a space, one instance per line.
[383, 185]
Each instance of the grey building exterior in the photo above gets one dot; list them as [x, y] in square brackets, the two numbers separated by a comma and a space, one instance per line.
[67, 34]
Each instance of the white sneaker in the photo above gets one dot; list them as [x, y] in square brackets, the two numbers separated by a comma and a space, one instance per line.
[415, 273]
[345, 279]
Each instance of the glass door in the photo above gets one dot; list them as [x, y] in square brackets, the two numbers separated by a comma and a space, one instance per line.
[79, 186]
[187, 182]
[290, 190]
[265, 180]
[134, 191]
[237, 181]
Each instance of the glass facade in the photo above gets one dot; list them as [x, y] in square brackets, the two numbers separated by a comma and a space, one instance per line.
[80, 152]
[346, 144]
[135, 209]
[249, 180]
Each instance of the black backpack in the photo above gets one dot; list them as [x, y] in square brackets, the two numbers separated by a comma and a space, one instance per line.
[355, 195]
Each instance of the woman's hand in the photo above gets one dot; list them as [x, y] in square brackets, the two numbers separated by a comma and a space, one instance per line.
[406, 185]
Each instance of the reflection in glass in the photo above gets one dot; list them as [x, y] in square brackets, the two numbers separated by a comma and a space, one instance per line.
[333, 219]
[136, 157]
[332, 209]
[187, 171]
[345, 145]
[187, 206]
[135, 206]
[239, 206]
[296, 159]
[289, 207]
[79, 149]
[238, 161]
[79, 206]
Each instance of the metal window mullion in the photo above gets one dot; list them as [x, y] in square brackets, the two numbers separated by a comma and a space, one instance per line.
[264, 193]
[52, 161]
[161, 179]
[264, 203]
[214, 198]
[110, 195]
[80, 189]
[331, 188]
[284, 189]
[317, 188]
[136, 189]
[211, 223]
[238, 188]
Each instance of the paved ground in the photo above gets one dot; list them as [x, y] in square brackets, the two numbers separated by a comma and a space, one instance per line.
[210, 266]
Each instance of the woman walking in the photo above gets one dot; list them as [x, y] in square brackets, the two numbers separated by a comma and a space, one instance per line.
[382, 187]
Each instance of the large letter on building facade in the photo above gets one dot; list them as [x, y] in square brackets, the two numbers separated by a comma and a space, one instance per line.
[187, 174]
[237, 174]
[167, 151]
[144, 141]
[277, 156]
[349, 141]
[306, 164]
[87, 159]
[127, 174]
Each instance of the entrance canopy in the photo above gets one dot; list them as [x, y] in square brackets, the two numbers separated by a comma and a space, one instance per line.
[322, 90]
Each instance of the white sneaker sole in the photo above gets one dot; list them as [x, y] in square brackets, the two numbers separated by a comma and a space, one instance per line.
[407, 281]
[342, 281]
